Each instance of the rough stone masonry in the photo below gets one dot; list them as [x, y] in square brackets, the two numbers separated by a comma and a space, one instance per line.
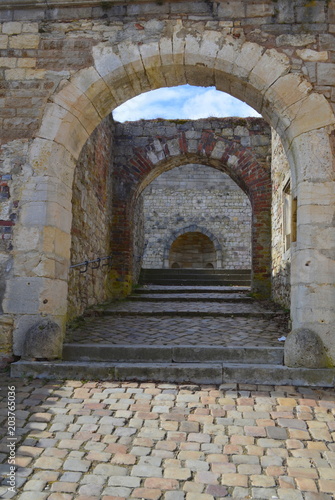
[66, 65]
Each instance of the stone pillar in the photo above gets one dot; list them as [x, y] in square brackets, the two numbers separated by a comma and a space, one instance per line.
[312, 340]
[36, 294]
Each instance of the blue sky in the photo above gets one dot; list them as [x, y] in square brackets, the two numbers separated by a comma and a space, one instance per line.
[183, 102]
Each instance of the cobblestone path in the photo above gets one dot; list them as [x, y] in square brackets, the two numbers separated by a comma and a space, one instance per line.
[187, 320]
[179, 331]
[133, 441]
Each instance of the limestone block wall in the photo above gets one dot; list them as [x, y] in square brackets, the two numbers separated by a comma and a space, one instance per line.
[281, 258]
[199, 196]
[42, 46]
[91, 222]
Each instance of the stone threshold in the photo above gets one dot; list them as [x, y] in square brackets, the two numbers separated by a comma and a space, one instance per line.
[172, 353]
[198, 373]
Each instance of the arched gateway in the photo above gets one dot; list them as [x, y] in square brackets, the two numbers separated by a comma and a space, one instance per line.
[217, 143]
[116, 51]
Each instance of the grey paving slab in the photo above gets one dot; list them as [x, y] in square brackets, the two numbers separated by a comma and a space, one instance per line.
[189, 306]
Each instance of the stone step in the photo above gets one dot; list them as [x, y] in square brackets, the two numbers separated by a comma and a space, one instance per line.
[193, 277]
[205, 290]
[197, 373]
[172, 354]
[190, 314]
[198, 282]
[187, 298]
[195, 272]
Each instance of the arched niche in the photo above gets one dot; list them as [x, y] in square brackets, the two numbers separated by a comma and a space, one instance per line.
[193, 247]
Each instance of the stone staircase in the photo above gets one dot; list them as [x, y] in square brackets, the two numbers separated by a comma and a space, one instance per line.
[181, 334]
[196, 277]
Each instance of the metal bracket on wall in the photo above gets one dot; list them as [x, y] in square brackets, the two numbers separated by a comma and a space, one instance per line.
[87, 262]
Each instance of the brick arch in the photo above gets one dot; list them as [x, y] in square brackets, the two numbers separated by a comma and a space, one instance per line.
[193, 228]
[229, 156]
[140, 166]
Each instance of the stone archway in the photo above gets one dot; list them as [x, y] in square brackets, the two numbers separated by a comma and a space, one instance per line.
[215, 247]
[181, 53]
[203, 142]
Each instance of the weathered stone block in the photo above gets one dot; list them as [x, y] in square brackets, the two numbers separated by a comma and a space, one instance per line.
[3, 41]
[325, 73]
[24, 42]
[312, 113]
[12, 28]
[295, 40]
[6, 333]
[312, 55]
[260, 9]
[304, 348]
[29, 27]
[22, 296]
[234, 9]
[271, 66]
[43, 340]
[54, 159]
[313, 153]
[41, 213]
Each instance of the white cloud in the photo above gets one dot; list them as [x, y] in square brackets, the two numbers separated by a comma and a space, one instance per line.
[215, 103]
[183, 102]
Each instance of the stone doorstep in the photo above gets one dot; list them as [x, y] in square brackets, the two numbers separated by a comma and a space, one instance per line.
[143, 353]
[200, 373]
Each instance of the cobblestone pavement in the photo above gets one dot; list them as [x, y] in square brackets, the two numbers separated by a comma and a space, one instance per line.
[189, 306]
[178, 331]
[118, 441]
[131, 322]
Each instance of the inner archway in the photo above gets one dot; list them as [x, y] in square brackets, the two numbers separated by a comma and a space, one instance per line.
[195, 197]
[192, 250]
[202, 143]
